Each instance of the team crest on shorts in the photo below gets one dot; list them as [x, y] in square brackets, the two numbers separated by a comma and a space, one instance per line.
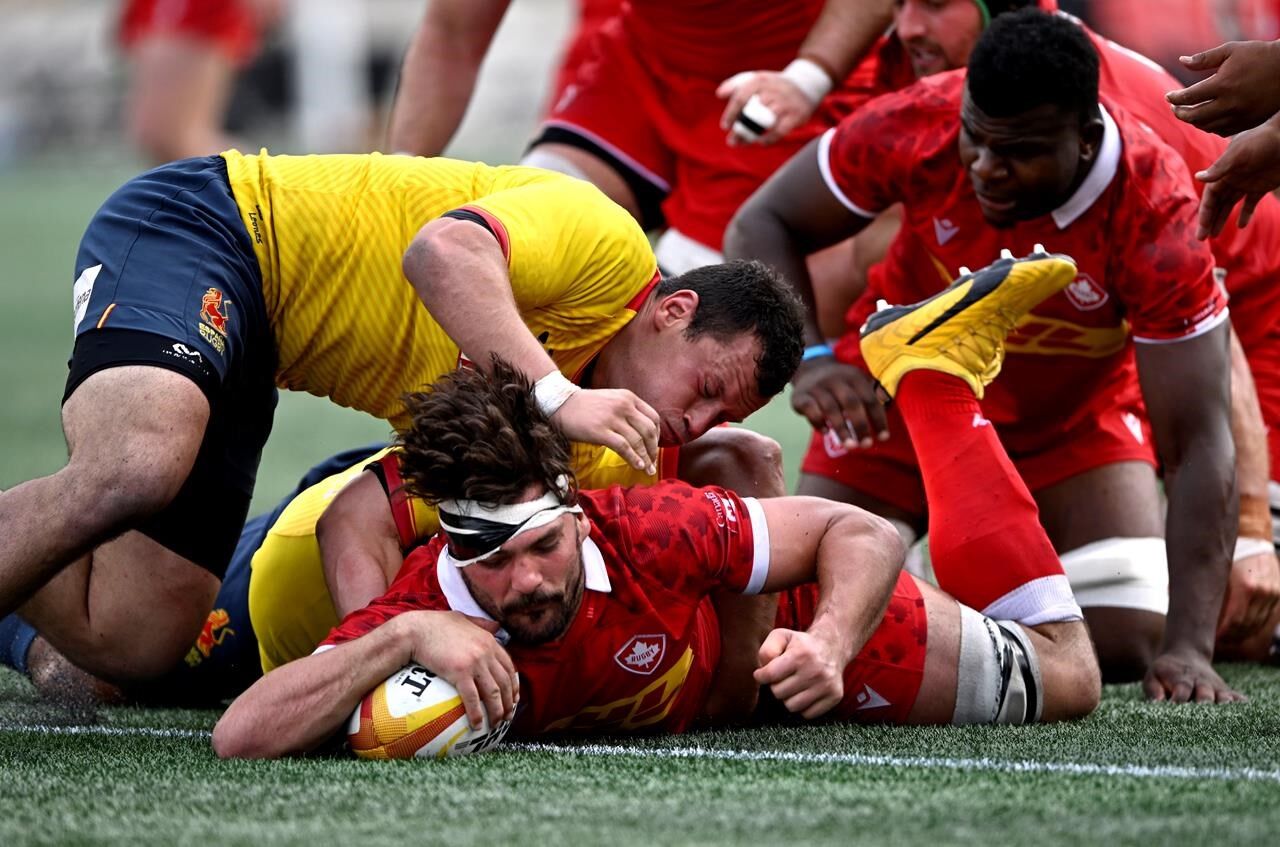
[214, 311]
[642, 653]
[1085, 294]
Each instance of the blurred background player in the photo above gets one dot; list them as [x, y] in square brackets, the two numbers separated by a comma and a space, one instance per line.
[1023, 151]
[640, 115]
[184, 56]
[566, 580]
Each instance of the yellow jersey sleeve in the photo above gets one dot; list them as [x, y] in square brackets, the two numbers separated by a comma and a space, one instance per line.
[579, 263]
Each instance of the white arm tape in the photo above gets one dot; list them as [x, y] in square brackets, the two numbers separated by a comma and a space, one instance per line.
[552, 391]
[810, 78]
[1246, 547]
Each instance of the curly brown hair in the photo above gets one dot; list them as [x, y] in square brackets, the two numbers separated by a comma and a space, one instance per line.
[478, 437]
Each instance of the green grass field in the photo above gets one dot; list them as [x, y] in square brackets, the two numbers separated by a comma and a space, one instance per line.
[1134, 773]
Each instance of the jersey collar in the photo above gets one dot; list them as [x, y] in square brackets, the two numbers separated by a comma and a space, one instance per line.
[461, 600]
[1104, 171]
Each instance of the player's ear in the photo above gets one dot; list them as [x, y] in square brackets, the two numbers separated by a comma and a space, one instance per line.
[676, 309]
[1092, 130]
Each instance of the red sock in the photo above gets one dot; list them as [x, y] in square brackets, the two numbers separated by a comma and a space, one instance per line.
[985, 537]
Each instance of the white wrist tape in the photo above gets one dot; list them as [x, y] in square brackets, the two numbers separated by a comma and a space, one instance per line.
[810, 78]
[552, 391]
[1246, 547]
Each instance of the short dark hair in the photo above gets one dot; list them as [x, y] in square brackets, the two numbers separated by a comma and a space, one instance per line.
[479, 437]
[999, 7]
[747, 296]
[1027, 59]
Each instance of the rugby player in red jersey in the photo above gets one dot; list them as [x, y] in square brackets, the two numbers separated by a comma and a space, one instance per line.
[600, 600]
[1024, 152]
[931, 37]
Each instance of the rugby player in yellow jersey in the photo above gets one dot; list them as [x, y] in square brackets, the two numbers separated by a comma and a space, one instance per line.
[203, 285]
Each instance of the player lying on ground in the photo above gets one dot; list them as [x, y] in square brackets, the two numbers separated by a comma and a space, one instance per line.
[1017, 152]
[205, 284]
[571, 583]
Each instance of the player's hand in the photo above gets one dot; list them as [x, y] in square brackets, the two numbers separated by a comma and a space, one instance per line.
[840, 399]
[1246, 171]
[615, 418]
[1239, 95]
[804, 672]
[791, 106]
[1186, 676]
[462, 650]
[1252, 593]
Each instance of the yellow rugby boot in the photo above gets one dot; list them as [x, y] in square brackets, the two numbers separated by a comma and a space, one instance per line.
[961, 330]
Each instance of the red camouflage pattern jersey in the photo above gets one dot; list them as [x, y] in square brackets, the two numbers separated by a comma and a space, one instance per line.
[1248, 260]
[641, 651]
[1130, 227]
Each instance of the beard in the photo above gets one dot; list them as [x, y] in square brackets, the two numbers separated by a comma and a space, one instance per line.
[545, 614]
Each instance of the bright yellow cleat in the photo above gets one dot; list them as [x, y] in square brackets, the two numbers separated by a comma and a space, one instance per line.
[961, 330]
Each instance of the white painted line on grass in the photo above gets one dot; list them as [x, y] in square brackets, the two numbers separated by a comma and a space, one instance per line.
[97, 729]
[926, 762]
[854, 759]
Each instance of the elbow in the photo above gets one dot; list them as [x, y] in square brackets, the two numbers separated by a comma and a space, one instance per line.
[230, 743]
[743, 229]
[880, 535]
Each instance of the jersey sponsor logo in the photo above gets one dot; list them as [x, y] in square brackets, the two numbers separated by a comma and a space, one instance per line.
[979, 420]
[945, 230]
[213, 633]
[1043, 336]
[82, 291]
[869, 698]
[1134, 426]
[726, 512]
[647, 707]
[642, 653]
[214, 310]
[1085, 294]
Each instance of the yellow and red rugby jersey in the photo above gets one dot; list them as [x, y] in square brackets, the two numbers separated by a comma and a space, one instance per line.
[330, 232]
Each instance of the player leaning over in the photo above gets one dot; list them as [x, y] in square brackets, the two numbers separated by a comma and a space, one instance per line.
[205, 284]
[1018, 152]
[568, 579]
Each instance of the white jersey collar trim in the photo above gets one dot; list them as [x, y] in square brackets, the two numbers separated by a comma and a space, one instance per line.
[1102, 175]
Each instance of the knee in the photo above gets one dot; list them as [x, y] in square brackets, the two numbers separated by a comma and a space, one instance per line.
[738, 459]
[1072, 682]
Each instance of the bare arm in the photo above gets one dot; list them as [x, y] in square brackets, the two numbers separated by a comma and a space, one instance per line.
[359, 544]
[856, 558]
[840, 37]
[299, 706]
[1254, 586]
[1186, 386]
[439, 73]
[792, 215]
[458, 270]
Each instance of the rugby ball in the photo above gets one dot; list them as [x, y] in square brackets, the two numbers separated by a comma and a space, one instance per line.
[416, 714]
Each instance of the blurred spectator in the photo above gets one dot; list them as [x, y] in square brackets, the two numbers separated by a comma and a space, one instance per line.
[185, 54]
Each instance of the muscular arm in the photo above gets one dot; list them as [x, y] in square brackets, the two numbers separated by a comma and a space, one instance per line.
[792, 215]
[299, 706]
[439, 73]
[359, 545]
[843, 34]
[1185, 385]
[856, 558]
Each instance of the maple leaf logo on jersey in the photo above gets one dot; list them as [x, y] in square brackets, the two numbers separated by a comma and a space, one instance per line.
[642, 654]
[1085, 294]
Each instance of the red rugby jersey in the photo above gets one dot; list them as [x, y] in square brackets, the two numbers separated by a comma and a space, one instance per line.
[1130, 227]
[1248, 260]
[642, 649]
